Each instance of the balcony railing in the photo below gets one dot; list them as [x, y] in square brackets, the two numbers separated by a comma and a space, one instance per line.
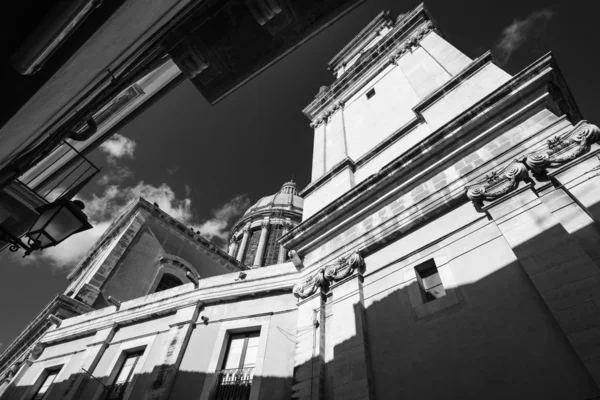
[233, 384]
[62, 170]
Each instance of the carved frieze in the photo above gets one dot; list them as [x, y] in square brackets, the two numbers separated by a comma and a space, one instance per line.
[562, 149]
[342, 268]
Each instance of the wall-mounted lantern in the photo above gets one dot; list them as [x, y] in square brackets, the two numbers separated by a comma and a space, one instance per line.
[56, 222]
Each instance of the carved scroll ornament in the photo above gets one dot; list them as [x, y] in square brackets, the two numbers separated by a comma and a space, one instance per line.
[497, 184]
[563, 149]
[343, 268]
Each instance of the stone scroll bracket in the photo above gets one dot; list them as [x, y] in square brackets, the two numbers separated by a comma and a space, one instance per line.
[329, 274]
[555, 153]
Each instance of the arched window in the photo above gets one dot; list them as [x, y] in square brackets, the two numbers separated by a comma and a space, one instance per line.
[168, 281]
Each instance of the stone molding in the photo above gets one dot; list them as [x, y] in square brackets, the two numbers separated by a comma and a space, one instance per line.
[335, 272]
[556, 152]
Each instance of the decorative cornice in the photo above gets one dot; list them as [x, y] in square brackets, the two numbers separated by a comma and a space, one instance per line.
[329, 274]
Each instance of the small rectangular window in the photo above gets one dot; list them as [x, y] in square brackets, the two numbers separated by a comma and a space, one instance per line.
[127, 371]
[429, 280]
[48, 380]
[370, 93]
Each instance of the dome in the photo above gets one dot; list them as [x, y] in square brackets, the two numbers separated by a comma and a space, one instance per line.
[254, 238]
[286, 199]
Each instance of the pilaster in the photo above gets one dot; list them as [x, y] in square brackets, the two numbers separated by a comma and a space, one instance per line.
[351, 364]
[92, 356]
[309, 365]
[172, 347]
[565, 276]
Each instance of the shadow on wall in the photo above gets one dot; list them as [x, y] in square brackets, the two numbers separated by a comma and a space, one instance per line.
[188, 385]
[496, 339]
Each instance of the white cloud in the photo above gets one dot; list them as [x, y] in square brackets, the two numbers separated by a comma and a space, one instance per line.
[118, 146]
[216, 227]
[519, 31]
[116, 175]
[102, 210]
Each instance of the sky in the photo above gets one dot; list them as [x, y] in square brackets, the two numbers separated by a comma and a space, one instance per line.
[205, 165]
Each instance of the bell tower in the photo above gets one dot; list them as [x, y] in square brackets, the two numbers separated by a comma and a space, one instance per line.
[385, 99]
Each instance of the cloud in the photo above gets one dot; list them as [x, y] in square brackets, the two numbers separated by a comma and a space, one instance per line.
[118, 146]
[217, 226]
[102, 210]
[116, 175]
[519, 31]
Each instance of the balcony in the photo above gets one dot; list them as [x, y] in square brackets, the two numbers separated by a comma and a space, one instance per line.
[233, 384]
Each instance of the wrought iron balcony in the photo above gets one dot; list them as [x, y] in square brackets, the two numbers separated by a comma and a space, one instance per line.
[233, 384]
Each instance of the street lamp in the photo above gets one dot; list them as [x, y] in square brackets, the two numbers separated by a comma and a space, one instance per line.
[56, 222]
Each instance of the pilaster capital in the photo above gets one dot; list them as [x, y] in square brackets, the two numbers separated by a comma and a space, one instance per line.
[498, 183]
[339, 270]
[562, 149]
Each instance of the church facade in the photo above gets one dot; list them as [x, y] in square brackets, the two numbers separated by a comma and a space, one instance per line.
[447, 247]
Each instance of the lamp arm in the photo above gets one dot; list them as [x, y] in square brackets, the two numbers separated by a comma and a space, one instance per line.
[15, 242]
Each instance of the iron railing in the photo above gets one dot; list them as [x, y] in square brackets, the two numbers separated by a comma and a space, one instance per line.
[233, 384]
[62, 170]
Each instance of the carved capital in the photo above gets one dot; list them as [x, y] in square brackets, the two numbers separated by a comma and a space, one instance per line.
[343, 268]
[36, 351]
[287, 225]
[264, 225]
[497, 184]
[560, 150]
[309, 285]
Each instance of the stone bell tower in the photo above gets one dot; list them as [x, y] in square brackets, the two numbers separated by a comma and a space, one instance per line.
[381, 102]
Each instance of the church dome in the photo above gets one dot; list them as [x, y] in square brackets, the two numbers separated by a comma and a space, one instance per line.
[286, 199]
[253, 238]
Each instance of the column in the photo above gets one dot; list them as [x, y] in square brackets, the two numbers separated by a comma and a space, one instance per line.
[262, 243]
[94, 352]
[563, 273]
[309, 365]
[232, 247]
[171, 349]
[282, 251]
[351, 365]
[244, 243]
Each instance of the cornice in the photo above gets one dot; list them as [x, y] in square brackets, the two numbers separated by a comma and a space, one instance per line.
[167, 302]
[337, 168]
[396, 43]
[154, 211]
[60, 301]
[382, 19]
